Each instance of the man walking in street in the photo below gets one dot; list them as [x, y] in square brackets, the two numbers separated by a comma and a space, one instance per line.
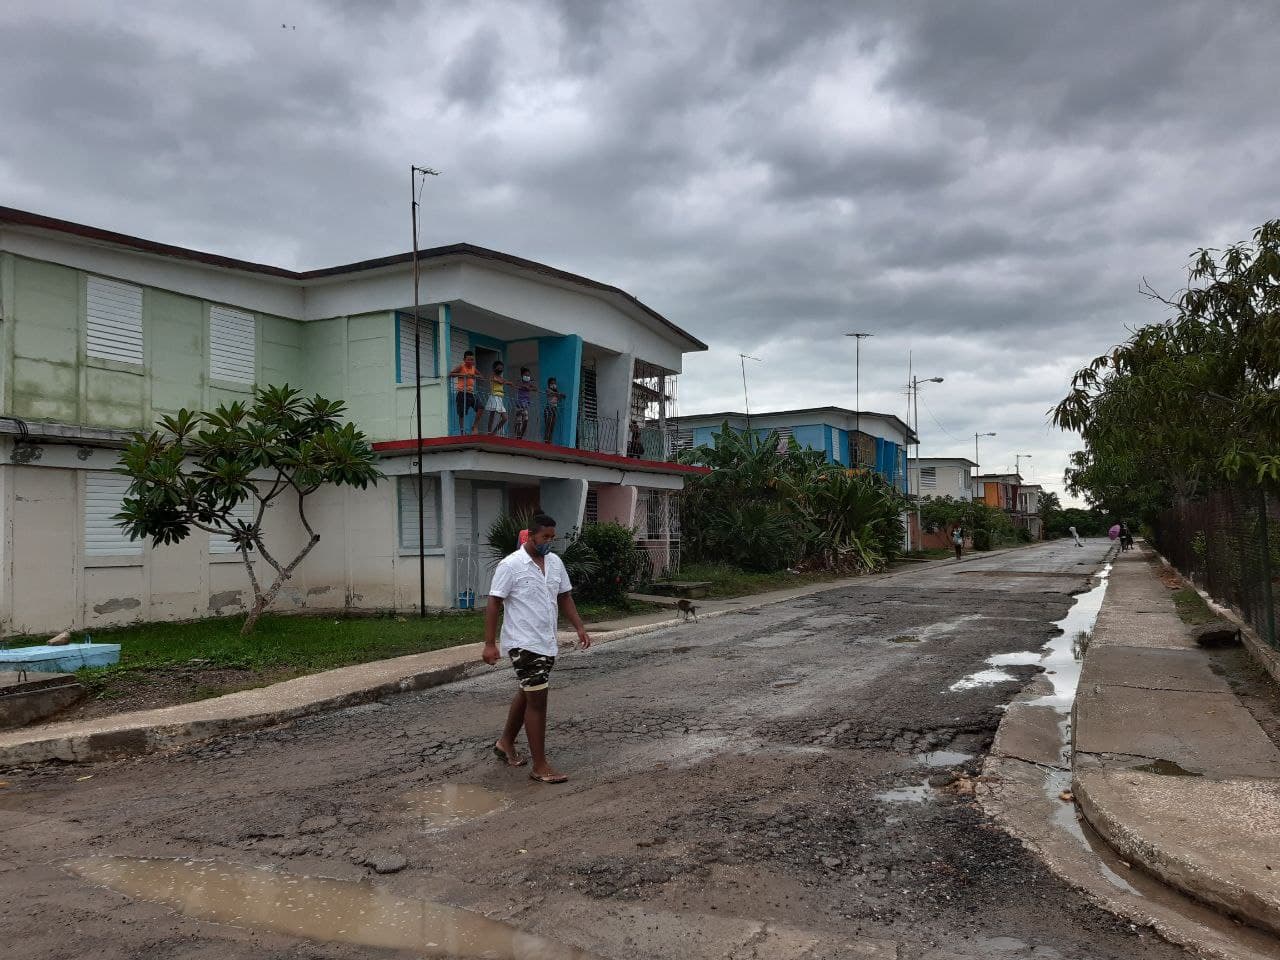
[957, 540]
[1075, 536]
[530, 588]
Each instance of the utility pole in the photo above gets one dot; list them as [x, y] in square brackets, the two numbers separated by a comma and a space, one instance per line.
[914, 391]
[1017, 462]
[415, 173]
[977, 464]
[857, 392]
[746, 403]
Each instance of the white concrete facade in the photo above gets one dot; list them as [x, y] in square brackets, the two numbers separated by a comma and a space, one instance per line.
[942, 477]
[54, 575]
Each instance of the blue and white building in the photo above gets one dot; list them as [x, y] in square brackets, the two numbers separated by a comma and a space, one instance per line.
[846, 437]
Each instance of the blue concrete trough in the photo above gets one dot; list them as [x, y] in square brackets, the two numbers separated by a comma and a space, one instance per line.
[63, 659]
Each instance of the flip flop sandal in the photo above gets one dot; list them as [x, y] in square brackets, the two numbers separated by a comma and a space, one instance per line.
[558, 778]
[510, 761]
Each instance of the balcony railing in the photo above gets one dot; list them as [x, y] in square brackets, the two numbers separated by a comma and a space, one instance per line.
[542, 420]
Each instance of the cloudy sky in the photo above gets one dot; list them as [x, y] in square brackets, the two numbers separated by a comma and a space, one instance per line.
[984, 185]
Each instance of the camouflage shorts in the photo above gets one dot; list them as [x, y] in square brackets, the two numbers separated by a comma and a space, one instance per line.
[533, 670]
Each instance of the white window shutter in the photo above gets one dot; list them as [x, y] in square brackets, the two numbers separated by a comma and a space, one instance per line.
[427, 347]
[244, 511]
[103, 537]
[113, 329]
[233, 345]
[459, 343]
[407, 495]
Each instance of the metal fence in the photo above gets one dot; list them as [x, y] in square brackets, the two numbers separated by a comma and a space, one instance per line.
[1229, 543]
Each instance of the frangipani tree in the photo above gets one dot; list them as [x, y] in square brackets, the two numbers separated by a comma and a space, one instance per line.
[197, 468]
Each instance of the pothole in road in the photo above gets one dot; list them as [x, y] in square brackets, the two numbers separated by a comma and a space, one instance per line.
[943, 758]
[1167, 768]
[917, 793]
[316, 908]
[449, 804]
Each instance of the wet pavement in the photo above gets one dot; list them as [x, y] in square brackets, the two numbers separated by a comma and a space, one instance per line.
[789, 782]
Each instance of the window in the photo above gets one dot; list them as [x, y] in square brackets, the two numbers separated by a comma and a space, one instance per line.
[928, 478]
[682, 440]
[113, 321]
[103, 493]
[407, 495]
[591, 512]
[233, 343]
[406, 363]
[245, 512]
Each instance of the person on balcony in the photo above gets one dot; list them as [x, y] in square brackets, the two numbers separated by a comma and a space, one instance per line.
[464, 392]
[497, 402]
[551, 410]
[635, 445]
[524, 399]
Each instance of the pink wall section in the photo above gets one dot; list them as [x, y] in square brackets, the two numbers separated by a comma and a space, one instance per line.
[616, 503]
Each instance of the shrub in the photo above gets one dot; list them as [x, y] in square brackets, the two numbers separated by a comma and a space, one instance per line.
[982, 539]
[619, 562]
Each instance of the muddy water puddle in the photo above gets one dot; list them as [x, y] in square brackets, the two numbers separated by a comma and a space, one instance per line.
[449, 804]
[917, 793]
[943, 758]
[982, 678]
[316, 908]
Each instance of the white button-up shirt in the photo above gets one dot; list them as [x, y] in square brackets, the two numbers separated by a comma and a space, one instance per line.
[530, 596]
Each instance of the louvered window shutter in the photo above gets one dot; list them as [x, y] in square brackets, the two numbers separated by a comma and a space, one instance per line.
[113, 321]
[233, 345]
[245, 512]
[407, 494]
[103, 493]
[426, 346]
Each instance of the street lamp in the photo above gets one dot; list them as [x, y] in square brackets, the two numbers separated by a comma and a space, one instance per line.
[857, 391]
[1017, 462]
[915, 403]
[977, 463]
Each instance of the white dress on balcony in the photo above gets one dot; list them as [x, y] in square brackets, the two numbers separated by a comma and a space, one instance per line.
[496, 402]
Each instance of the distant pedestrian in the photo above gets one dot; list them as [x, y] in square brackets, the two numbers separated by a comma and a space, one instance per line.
[957, 540]
[1126, 537]
[1075, 536]
[530, 589]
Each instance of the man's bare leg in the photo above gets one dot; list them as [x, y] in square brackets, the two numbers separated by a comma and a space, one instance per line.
[535, 728]
[515, 720]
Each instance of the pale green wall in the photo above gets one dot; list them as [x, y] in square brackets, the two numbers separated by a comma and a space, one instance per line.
[48, 376]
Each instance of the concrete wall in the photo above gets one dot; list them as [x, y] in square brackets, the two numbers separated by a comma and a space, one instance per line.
[47, 583]
[49, 377]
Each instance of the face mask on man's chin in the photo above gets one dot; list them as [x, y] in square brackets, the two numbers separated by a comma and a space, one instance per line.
[543, 549]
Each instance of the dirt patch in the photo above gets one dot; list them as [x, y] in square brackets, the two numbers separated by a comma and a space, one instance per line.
[151, 688]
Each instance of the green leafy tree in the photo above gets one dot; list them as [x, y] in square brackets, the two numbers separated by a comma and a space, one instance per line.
[1188, 403]
[768, 505]
[197, 468]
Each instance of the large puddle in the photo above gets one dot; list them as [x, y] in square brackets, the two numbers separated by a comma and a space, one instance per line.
[449, 804]
[1064, 654]
[317, 908]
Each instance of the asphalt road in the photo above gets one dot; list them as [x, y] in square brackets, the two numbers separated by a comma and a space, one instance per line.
[748, 786]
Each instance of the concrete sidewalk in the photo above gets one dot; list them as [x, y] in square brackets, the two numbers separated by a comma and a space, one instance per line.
[1168, 765]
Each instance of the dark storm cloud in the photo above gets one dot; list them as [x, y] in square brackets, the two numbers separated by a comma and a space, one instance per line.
[982, 184]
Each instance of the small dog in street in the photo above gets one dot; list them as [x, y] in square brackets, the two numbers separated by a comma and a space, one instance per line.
[688, 611]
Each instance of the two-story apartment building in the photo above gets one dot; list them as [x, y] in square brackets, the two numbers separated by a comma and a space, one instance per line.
[942, 477]
[102, 333]
[1020, 500]
[875, 440]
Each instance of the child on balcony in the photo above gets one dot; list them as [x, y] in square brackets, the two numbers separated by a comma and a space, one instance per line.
[552, 410]
[524, 399]
[464, 392]
[497, 403]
